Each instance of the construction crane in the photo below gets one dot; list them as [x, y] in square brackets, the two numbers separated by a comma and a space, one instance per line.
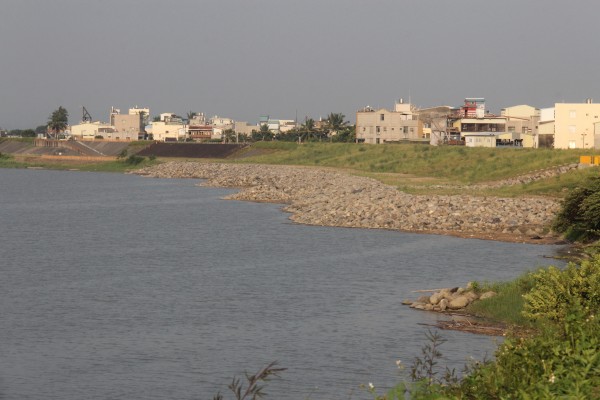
[86, 115]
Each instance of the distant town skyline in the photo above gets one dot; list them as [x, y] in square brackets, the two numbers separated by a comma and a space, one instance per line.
[243, 59]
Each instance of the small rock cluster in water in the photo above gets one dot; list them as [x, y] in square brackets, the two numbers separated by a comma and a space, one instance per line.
[448, 299]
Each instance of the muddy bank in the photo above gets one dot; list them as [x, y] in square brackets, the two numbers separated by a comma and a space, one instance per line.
[331, 198]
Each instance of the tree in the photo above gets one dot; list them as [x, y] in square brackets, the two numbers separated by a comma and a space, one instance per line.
[308, 127]
[335, 123]
[229, 135]
[58, 121]
[190, 115]
[41, 129]
[263, 134]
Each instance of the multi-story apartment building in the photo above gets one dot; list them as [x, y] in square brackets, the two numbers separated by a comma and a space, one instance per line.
[385, 126]
[574, 125]
[129, 126]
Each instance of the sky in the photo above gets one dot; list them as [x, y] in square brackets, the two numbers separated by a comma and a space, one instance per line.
[290, 59]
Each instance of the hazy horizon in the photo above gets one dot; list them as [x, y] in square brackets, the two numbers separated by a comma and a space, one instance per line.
[243, 59]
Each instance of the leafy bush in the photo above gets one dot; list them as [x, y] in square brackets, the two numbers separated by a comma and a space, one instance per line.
[134, 159]
[559, 363]
[579, 217]
[556, 291]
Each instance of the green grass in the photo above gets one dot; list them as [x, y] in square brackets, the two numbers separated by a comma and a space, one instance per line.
[418, 169]
[105, 166]
[507, 305]
[459, 164]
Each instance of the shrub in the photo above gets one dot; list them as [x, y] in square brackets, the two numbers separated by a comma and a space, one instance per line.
[557, 291]
[552, 365]
[134, 159]
[579, 217]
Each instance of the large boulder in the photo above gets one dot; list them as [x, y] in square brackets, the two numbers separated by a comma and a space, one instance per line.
[459, 302]
[487, 295]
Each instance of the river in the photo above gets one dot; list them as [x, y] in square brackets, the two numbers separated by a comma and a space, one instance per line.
[125, 287]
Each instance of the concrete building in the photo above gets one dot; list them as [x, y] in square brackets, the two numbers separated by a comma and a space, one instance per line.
[244, 128]
[128, 126]
[480, 139]
[546, 128]
[522, 125]
[91, 130]
[276, 125]
[474, 107]
[385, 126]
[435, 123]
[168, 131]
[144, 112]
[200, 133]
[574, 125]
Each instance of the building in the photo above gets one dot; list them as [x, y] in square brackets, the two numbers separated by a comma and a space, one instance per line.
[169, 128]
[144, 112]
[385, 126]
[436, 125]
[522, 125]
[127, 126]
[480, 139]
[474, 107]
[574, 125]
[200, 132]
[546, 128]
[89, 130]
[244, 128]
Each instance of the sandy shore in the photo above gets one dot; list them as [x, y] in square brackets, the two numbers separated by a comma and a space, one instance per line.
[324, 197]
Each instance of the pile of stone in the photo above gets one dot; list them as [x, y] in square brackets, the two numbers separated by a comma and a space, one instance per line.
[319, 196]
[448, 299]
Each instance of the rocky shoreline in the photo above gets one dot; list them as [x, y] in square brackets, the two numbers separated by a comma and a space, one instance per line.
[319, 196]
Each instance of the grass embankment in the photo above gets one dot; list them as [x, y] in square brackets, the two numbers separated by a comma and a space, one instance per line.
[417, 169]
[123, 165]
[422, 169]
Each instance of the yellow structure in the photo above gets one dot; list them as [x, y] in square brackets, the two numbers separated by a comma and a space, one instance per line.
[575, 125]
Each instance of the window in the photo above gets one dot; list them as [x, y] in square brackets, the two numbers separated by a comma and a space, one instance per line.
[381, 117]
[572, 114]
[378, 129]
[511, 129]
[406, 129]
[572, 129]
[572, 144]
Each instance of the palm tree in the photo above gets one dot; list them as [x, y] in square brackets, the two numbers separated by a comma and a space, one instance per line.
[308, 127]
[335, 123]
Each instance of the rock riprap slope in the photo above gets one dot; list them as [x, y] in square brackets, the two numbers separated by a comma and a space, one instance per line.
[318, 196]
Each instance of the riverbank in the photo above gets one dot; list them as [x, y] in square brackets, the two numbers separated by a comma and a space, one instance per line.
[327, 197]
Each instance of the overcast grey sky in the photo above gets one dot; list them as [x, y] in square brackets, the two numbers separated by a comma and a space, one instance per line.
[246, 58]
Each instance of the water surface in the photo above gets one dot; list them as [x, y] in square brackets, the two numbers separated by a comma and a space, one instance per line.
[124, 287]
